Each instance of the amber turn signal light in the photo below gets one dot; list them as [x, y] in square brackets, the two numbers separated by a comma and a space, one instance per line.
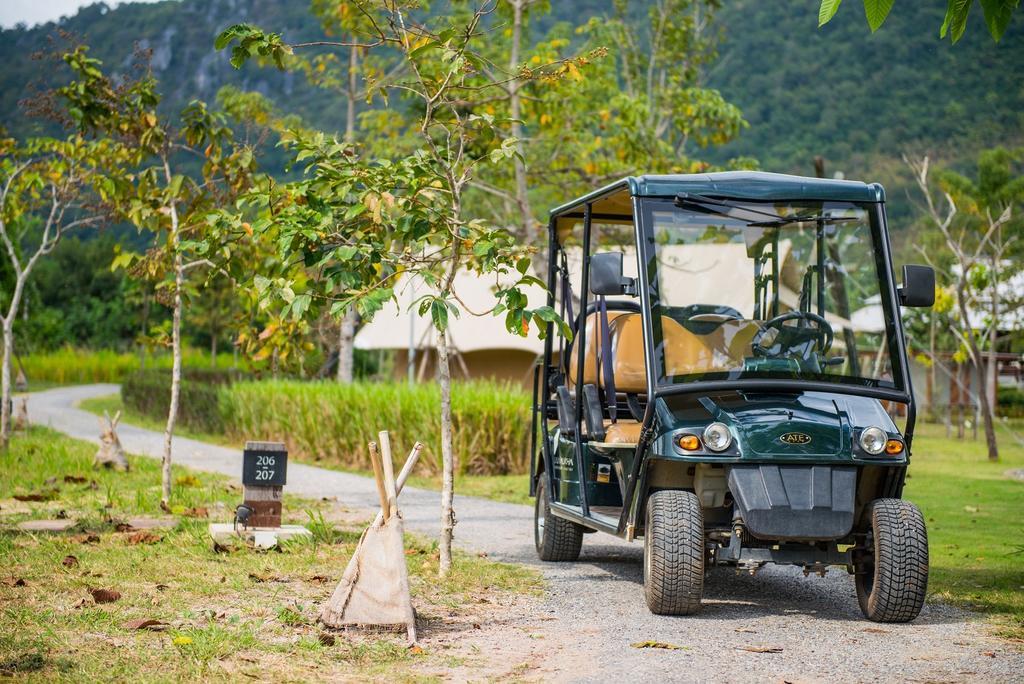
[688, 442]
[893, 447]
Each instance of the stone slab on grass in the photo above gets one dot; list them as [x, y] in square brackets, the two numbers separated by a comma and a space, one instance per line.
[61, 525]
[152, 523]
[225, 534]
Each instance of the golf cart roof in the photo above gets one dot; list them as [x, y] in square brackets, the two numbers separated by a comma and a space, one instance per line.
[614, 198]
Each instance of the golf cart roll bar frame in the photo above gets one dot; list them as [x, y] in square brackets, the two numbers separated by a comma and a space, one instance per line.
[645, 245]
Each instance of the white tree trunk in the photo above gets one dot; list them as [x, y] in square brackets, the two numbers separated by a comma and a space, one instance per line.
[447, 457]
[526, 223]
[172, 411]
[5, 381]
[346, 347]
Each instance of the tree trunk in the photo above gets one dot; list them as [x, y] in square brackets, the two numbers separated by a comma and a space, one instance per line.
[5, 374]
[346, 333]
[986, 408]
[526, 222]
[172, 412]
[447, 458]
[992, 367]
[346, 347]
[213, 350]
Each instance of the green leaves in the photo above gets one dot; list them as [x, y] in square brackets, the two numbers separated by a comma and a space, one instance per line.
[876, 11]
[252, 42]
[827, 10]
[998, 14]
[955, 22]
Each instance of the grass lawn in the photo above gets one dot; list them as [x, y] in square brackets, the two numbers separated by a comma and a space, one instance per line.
[975, 524]
[228, 615]
[508, 488]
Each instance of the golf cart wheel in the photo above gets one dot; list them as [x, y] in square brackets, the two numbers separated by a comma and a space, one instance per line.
[892, 578]
[556, 539]
[674, 553]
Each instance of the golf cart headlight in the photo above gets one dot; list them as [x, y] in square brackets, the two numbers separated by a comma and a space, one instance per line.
[873, 439]
[717, 437]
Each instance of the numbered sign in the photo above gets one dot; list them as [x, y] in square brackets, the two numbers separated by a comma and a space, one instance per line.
[264, 464]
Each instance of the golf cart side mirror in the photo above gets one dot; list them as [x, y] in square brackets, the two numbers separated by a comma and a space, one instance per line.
[918, 287]
[606, 275]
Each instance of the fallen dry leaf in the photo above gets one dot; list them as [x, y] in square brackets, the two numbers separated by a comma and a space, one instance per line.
[142, 537]
[105, 595]
[36, 496]
[320, 579]
[875, 630]
[658, 644]
[69, 562]
[148, 624]
[14, 581]
[81, 603]
[123, 527]
[197, 512]
[990, 654]
[75, 479]
[745, 630]
[416, 649]
[161, 587]
[325, 639]
[87, 538]
[760, 649]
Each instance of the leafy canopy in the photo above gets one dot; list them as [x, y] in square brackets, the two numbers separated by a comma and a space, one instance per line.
[997, 15]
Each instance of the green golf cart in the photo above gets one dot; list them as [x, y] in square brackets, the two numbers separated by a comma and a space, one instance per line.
[730, 387]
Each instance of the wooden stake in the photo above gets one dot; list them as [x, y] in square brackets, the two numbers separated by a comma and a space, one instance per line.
[389, 472]
[378, 475]
[410, 463]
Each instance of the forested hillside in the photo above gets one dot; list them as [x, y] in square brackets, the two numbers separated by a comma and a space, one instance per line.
[856, 98]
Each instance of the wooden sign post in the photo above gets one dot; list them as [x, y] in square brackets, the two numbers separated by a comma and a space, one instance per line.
[264, 474]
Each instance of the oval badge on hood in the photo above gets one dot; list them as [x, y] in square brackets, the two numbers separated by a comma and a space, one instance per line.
[795, 438]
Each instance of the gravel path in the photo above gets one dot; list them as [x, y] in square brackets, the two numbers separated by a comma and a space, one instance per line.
[593, 610]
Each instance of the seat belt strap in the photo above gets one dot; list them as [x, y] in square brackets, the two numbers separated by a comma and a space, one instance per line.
[607, 368]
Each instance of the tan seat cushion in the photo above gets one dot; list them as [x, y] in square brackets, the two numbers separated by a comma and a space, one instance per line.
[623, 432]
[593, 335]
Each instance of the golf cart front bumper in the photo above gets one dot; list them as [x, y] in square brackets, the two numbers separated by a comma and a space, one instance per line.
[795, 502]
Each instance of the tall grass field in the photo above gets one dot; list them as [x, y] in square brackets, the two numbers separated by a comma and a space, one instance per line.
[79, 366]
[332, 422]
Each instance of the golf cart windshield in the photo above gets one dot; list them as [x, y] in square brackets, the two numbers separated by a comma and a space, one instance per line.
[767, 290]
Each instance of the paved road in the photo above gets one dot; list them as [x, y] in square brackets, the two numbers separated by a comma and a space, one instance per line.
[593, 610]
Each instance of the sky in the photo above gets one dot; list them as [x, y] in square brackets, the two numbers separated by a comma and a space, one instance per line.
[34, 12]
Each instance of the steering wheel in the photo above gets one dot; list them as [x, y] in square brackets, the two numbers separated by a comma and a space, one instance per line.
[823, 331]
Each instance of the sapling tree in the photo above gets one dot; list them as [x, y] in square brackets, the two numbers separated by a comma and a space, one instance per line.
[48, 188]
[975, 242]
[361, 225]
[166, 195]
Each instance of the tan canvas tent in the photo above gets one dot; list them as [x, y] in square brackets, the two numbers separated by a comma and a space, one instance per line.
[482, 347]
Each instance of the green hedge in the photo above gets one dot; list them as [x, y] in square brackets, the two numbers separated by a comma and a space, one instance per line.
[1010, 401]
[333, 422]
[149, 393]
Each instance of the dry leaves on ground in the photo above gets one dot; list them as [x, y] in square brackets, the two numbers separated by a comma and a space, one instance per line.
[760, 649]
[659, 644]
[148, 624]
[105, 595]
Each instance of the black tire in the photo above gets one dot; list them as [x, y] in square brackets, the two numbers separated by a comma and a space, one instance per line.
[892, 573]
[674, 553]
[556, 539]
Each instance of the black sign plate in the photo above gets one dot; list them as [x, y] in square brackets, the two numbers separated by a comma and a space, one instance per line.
[263, 467]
